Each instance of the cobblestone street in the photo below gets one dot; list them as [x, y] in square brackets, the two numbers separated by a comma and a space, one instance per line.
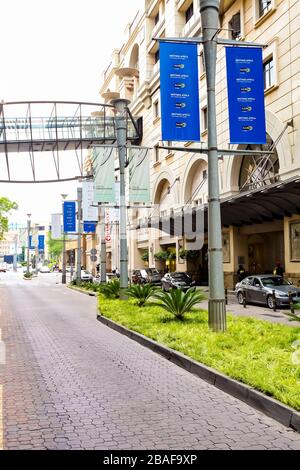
[69, 382]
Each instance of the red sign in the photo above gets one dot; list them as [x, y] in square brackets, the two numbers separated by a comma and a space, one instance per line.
[108, 238]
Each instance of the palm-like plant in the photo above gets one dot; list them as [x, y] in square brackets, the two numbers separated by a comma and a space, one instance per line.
[292, 315]
[178, 302]
[141, 292]
[111, 290]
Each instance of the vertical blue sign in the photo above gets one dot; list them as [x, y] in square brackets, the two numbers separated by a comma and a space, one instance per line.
[69, 216]
[31, 247]
[89, 227]
[245, 84]
[179, 91]
[41, 242]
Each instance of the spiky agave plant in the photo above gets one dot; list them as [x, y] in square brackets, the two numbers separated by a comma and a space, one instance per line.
[110, 290]
[142, 293]
[178, 302]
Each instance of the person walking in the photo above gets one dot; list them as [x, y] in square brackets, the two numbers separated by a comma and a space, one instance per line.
[241, 273]
[278, 270]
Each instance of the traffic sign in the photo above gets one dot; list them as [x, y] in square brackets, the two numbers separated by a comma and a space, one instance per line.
[93, 258]
[108, 238]
[93, 251]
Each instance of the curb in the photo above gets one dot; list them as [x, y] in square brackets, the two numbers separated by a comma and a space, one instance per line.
[82, 291]
[267, 405]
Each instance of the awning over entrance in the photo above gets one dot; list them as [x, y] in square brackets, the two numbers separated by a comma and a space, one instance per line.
[268, 203]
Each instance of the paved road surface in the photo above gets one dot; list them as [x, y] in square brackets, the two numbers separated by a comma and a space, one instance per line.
[71, 383]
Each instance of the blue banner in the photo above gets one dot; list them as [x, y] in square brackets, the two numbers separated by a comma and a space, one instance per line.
[89, 227]
[179, 91]
[69, 216]
[31, 247]
[41, 242]
[245, 82]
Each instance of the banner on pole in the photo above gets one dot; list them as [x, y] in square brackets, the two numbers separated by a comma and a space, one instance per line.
[89, 227]
[69, 219]
[89, 211]
[31, 246]
[139, 175]
[179, 91]
[246, 105]
[104, 174]
[56, 233]
[41, 242]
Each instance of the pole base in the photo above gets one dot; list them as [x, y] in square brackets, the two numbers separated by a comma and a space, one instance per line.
[64, 279]
[217, 315]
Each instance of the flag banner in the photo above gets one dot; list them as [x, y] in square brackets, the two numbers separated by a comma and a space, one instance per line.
[56, 233]
[90, 213]
[89, 227]
[246, 100]
[69, 219]
[139, 174]
[104, 174]
[31, 246]
[179, 91]
[41, 242]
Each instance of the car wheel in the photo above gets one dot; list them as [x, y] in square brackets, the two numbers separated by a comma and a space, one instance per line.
[270, 302]
[240, 298]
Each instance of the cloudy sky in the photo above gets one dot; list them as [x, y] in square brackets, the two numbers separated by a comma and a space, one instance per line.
[56, 50]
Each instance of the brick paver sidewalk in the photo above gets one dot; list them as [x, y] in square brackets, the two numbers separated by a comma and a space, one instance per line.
[72, 383]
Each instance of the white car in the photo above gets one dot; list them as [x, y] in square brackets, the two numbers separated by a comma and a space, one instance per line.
[85, 276]
[45, 269]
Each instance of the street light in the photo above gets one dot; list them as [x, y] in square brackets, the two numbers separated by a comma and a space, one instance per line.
[64, 272]
[28, 243]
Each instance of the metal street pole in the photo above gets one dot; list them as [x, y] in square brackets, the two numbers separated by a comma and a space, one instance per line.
[64, 270]
[36, 251]
[103, 247]
[120, 106]
[79, 217]
[28, 243]
[209, 10]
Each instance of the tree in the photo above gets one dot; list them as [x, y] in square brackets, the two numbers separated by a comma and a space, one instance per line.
[55, 248]
[5, 207]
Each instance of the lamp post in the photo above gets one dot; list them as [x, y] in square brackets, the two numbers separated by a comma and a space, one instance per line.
[209, 10]
[64, 274]
[28, 243]
[121, 110]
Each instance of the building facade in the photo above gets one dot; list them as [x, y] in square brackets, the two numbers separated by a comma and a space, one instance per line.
[259, 194]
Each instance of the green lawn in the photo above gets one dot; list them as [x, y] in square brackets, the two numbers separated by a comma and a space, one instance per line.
[252, 351]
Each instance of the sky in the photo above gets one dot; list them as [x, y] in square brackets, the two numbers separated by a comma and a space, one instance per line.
[56, 50]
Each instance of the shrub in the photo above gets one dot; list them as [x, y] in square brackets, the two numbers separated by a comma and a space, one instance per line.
[161, 255]
[145, 255]
[28, 275]
[189, 254]
[141, 292]
[110, 290]
[178, 302]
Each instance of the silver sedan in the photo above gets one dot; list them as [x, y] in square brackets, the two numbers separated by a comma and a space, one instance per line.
[259, 289]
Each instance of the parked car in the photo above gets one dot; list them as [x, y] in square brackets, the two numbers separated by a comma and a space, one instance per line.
[146, 276]
[258, 289]
[84, 275]
[45, 269]
[177, 280]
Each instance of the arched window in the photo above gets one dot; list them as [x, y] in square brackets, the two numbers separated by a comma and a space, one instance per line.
[259, 170]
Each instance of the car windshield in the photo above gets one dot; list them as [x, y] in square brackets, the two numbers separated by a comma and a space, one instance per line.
[180, 276]
[275, 281]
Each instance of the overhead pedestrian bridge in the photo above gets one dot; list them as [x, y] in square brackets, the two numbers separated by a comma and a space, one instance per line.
[56, 127]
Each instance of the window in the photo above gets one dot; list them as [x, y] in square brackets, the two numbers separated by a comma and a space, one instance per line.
[156, 153]
[264, 6]
[202, 63]
[156, 109]
[156, 56]
[156, 18]
[235, 26]
[189, 13]
[204, 119]
[269, 76]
